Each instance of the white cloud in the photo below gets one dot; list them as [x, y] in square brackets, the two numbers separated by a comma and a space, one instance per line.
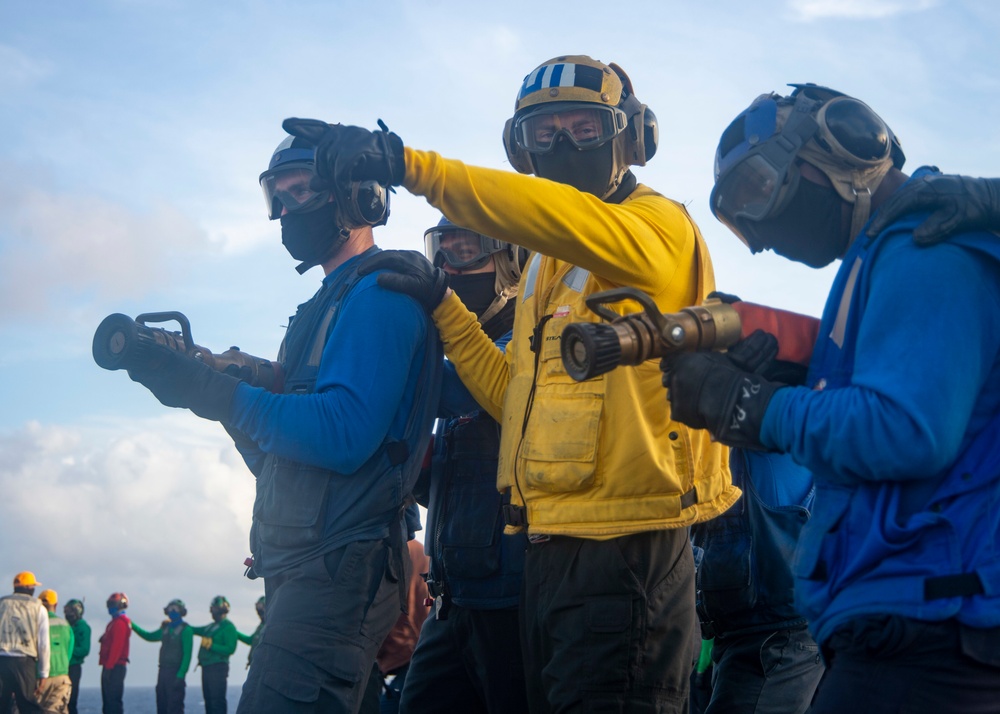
[809, 10]
[125, 488]
[157, 508]
[57, 245]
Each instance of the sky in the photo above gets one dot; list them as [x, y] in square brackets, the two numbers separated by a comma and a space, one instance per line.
[134, 132]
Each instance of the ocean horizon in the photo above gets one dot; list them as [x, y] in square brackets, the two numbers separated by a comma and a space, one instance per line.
[142, 700]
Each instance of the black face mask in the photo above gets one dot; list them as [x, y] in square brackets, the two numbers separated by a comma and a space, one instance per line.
[312, 237]
[810, 230]
[588, 171]
[477, 291]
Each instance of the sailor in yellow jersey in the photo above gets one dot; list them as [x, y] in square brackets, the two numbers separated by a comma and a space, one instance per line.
[604, 481]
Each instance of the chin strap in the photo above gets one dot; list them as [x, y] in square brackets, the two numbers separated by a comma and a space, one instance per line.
[497, 305]
[862, 207]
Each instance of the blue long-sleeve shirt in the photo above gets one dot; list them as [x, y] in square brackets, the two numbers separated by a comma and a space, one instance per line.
[455, 397]
[925, 380]
[364, 388]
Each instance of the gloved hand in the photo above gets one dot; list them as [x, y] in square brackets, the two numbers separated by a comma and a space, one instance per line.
[727, 298]
[706, 390]
[754, 353]
[958, 203]
[410, 273]
[206, 643]
[351, 153]
[184, 382]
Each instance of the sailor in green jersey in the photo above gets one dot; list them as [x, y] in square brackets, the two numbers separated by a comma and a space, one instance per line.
[73, 610]
[176, 637]
[218, 642]
[254, 639]
[55, 692]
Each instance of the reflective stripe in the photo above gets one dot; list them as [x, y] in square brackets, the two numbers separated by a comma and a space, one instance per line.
[530, 277]
[576, 278]
[844, 310]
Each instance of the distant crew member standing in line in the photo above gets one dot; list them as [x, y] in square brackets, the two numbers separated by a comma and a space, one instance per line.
[73, 611]
[218, 642]
[54, 695]
[176, 637]
[24, 646]
[113, 656]
[253, 639]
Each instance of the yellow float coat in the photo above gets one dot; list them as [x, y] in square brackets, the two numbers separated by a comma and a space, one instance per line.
[599, 458]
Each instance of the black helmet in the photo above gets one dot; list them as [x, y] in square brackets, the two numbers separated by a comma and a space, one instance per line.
[177, 605]
[293, 154]
[74, 609]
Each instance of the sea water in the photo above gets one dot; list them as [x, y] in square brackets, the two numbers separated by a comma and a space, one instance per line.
[142, 700]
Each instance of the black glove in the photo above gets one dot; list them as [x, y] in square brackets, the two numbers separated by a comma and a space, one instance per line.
[754, 353]
[410, 273]
[706, 390]
[351, 153]
[184, 382]
[958, 203]
[727, 298]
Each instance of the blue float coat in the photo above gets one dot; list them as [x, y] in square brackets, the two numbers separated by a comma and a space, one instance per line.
[898, 425]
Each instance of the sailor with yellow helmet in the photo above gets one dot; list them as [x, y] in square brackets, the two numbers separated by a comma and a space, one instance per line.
[604, 481]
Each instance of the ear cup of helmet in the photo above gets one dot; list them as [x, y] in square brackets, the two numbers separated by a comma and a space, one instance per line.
[367, 205]
[518, 157]
[650, 133]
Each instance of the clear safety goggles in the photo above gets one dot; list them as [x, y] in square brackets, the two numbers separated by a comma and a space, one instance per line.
[584, 125]
[459, 248]
[750, 191]
[288, 189]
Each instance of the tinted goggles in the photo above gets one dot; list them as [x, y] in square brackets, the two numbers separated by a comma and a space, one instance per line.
[459, 248]
[288, 189]
[756, 169]
[584, 125]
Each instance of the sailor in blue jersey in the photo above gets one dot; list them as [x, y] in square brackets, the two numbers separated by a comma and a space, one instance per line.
[468, 657]
[898, 569]
[335, 453]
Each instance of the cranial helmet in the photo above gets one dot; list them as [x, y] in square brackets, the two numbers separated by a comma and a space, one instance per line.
[176, 605]
[118, 601]
[219, 602]
[367, 202]
[476, 249]
[74, 607]
[580, 82]
[756, 170]
[26, 579]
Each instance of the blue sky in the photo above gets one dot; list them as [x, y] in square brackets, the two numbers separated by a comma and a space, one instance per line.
[133, 134]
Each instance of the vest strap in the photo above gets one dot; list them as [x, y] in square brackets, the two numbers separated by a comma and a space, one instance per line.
[515, 515]
[689, 499]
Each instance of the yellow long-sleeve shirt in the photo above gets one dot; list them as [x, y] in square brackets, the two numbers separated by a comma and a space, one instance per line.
[592, 459]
